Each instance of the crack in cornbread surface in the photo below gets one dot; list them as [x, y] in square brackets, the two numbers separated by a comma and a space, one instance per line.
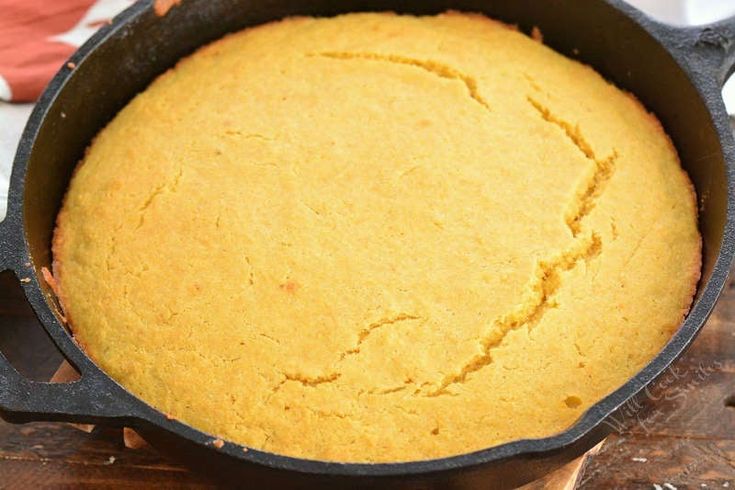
[377, 238]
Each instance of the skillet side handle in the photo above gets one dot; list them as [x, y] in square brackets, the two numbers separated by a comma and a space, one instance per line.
[714, 45]
[9, 247]
[87, 400]
[91, 399]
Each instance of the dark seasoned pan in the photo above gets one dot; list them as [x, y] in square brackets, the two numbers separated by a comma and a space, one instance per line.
[677, 73]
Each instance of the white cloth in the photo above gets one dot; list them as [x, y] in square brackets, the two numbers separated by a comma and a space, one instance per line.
[681, 12]
[12, 119]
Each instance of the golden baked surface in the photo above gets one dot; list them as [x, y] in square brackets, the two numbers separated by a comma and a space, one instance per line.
[378, 238]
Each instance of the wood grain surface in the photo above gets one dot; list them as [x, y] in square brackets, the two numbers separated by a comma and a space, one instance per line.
[683, 436]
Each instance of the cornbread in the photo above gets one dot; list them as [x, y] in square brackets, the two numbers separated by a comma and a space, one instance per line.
[377, 238]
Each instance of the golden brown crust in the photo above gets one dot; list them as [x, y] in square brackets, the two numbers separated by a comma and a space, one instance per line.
[695, 272]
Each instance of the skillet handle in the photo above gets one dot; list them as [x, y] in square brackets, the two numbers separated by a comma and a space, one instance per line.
[8, 245]
[91, 399]
[85, 401]
[714, 48]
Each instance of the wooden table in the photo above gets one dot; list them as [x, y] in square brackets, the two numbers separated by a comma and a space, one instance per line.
[684, 437]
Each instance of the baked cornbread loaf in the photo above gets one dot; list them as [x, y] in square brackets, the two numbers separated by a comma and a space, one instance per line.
[377, 238]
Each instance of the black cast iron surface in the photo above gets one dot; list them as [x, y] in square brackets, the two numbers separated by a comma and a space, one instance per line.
[676, 72]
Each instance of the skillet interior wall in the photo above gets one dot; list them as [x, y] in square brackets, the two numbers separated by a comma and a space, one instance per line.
[144, 48]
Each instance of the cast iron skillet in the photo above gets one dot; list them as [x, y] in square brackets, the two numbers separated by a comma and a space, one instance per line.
[677, 73]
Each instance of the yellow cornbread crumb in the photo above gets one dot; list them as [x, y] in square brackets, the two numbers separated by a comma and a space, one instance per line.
[377, 238]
